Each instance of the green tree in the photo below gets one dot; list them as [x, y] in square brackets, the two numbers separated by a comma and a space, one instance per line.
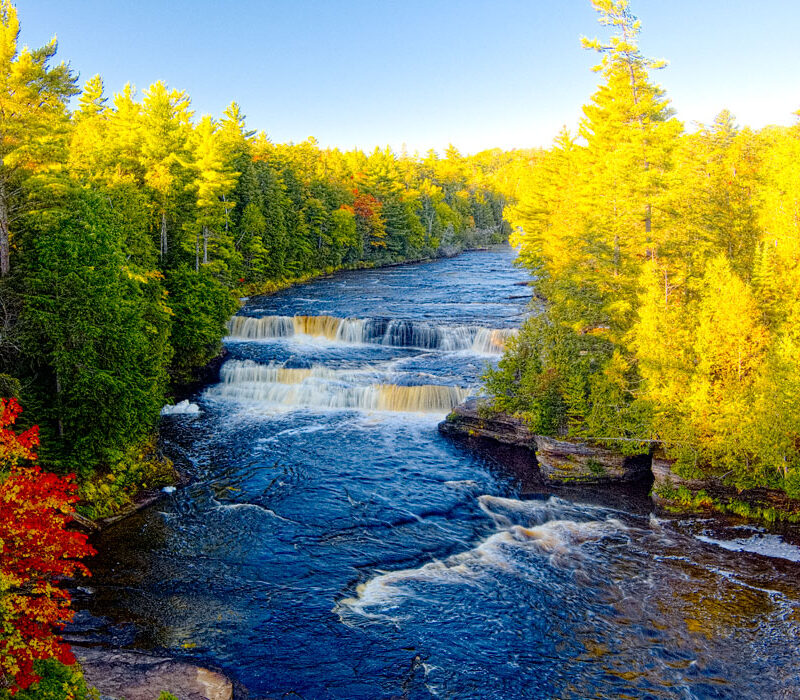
[212, 183]
[201, 306]
[95, 331]
[33, 119]
[164, 153]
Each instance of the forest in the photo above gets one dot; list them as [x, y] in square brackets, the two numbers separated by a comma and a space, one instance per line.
[665, 262]
[129, 228]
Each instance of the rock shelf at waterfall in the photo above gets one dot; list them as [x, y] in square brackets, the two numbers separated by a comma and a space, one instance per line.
[379, 331]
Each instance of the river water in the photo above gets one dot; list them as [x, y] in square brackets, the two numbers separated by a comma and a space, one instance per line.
[333, 545]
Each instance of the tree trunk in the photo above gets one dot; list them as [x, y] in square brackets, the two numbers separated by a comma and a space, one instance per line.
[205, 245]
[163, 234]
[197, 252]
[5, 258]
[58, 403]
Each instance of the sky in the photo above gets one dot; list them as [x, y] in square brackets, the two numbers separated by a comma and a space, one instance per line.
[422, 74]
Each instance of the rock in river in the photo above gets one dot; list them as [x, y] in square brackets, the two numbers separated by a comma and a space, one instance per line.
[134, 676]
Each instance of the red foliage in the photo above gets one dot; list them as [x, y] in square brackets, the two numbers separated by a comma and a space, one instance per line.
[366, 206]
[15, 447]
[36, 553]
[368, 210]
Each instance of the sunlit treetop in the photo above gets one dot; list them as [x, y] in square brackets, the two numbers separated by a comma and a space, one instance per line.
[623, 45]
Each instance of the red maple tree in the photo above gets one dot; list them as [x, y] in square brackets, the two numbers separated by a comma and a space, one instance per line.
[367, 210]
[36, 553]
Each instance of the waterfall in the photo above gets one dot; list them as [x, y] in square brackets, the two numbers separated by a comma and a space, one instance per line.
[321, 387]
[493, 340]
[379, 331]
[247, 328]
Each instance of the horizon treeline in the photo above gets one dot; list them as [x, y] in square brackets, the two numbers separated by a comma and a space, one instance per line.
[128, 227]
[667, 268]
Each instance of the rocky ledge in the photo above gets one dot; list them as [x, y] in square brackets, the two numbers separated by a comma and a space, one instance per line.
[466, 421]
[556, 461]
[133, 676]
[539, 460]
[673, 491]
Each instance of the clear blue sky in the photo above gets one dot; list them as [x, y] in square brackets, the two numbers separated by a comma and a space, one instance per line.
[477, 73]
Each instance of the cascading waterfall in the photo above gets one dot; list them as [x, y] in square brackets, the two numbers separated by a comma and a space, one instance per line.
[246, 328]
[391, 332]
[247, 371]
[322, 387]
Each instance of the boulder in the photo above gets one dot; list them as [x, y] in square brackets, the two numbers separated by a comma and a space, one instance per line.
[131, 675]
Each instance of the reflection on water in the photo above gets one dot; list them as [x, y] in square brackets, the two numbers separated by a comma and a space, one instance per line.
[334, 545]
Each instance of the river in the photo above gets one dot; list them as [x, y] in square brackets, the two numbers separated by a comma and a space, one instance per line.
[333, 545]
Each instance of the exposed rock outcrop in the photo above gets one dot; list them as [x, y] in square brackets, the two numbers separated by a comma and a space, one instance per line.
[565, 461]
[466, 421]
[676, 492]
[665, 477]
[134, 676]
[556, 461]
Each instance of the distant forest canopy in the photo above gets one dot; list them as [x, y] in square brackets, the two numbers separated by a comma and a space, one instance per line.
[127, 225]
[667, 266]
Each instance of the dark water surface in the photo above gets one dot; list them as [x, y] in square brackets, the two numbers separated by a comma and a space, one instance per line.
[334, 545]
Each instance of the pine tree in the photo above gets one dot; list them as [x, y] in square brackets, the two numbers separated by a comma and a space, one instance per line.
[33, 118]
[165, 150]
[87, 153]
[629, 134]
[212, 183]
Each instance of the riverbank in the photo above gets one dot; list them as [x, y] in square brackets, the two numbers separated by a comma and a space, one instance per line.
[270, 287]
[558, 462]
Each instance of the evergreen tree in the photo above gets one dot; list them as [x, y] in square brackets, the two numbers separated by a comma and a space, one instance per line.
[95, 331]
[33, 119]
[165, 151]
[212, 183]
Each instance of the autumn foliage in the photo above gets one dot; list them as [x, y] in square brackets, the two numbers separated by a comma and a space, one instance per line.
[367, 210]
[36, 553]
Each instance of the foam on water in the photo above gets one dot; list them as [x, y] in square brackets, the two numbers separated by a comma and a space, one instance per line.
[766, 545]
[554, 541]
[185, 408]
[509, 511]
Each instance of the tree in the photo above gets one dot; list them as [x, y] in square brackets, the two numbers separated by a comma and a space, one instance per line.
[213, 181]
[369, 223]
[630, 134]
[165, 125]
[95, 331]
[37, 552]
[201, 306]
[33, 118]
[87, 152]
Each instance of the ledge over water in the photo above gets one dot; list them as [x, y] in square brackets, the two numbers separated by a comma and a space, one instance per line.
[556, 461]
[550, 461]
